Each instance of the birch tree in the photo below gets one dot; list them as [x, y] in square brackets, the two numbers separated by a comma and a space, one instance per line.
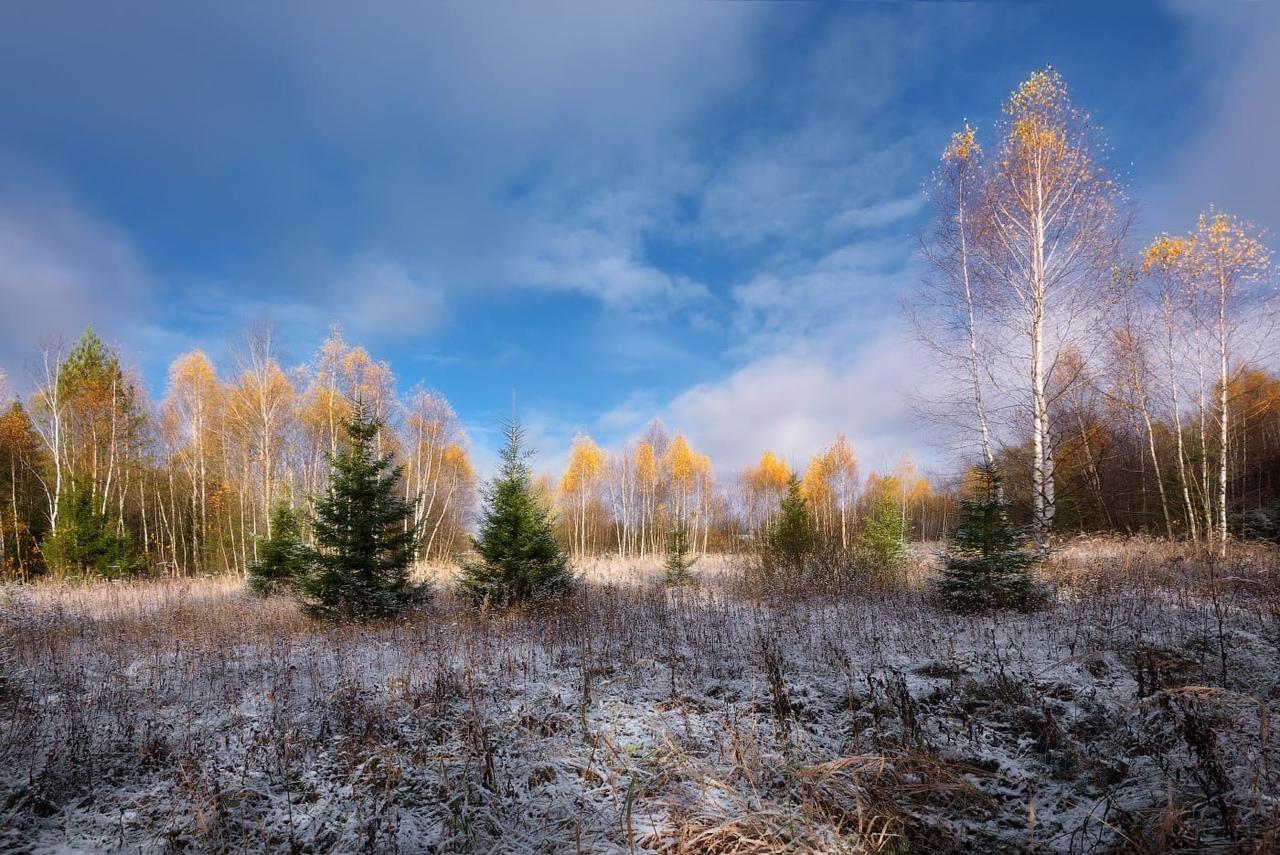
[1169, 284]
[194, 399]
[1233, 265]
[946, 313]
[579, 488]
[1048, 240]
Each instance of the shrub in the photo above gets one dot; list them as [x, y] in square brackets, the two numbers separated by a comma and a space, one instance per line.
[282, 557]
[678, 563]
[1261, 523]
[15, 610]
[520, 560]
[8, 668]
[984, 567]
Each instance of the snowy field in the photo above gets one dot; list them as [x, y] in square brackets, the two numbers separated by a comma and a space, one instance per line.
[1136, 715]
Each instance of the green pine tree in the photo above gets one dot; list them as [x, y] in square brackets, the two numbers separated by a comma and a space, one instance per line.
[882, 540]
[91, 364]
[984, 567]
[365, 540]
[791, 540]
[282, 557]
[678, 564]
[87, 543]
[520, 560]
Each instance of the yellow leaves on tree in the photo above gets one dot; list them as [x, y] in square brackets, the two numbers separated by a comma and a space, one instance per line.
[904, 486]
[436, 470]
[586, 463]
[458, 463]
[1223, 252]
[579, 486]
[1228, 253]
[646, 463]
[963, 148]
[770, 475]
[192, 410]
[343, 375]
[688, 473]
[1049, 241]
[682, 464]
[193, 383]
[1166, 253]
[260, 406]
[830, 488]
[763, 487]
[1039, 111]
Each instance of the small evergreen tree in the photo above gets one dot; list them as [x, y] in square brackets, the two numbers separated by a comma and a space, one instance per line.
[678, 563]
[365, 539]
[87, 544]
[282, 557]
[520, 560]
[984, 568]
[882, 539]
[791, 540]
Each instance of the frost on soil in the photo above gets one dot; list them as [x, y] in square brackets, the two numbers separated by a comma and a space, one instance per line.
[1131, 716]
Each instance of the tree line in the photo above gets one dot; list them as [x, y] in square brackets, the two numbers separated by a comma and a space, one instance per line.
[97, 480]
[628, 501]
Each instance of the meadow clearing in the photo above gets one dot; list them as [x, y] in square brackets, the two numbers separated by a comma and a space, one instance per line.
[1133, 715]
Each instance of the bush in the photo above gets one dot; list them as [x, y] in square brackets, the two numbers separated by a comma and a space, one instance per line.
[16, 611]
[365, 540]
[984, 568]
[7, 679]
[282, 558]
[87, 544]
[8, 668]
[520, 560]
[678, 563]
[1260, 523]
[9, 672]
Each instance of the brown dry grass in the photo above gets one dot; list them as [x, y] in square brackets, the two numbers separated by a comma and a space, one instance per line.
[179, 714]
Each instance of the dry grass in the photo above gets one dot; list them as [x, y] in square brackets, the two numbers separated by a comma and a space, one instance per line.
[1137, 713]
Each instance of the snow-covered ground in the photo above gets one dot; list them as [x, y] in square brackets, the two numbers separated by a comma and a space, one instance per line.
[1134, 715]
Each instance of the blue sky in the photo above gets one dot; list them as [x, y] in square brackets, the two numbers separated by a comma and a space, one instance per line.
[700, 212]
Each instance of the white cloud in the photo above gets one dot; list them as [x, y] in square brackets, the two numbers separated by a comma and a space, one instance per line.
[379, 300]
[843, 296]
[597, 265]
[1230, 160]
[469, 145]
[630, 414]
[60, 271]
[795, 403]
[814, 185]
[879, 214]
